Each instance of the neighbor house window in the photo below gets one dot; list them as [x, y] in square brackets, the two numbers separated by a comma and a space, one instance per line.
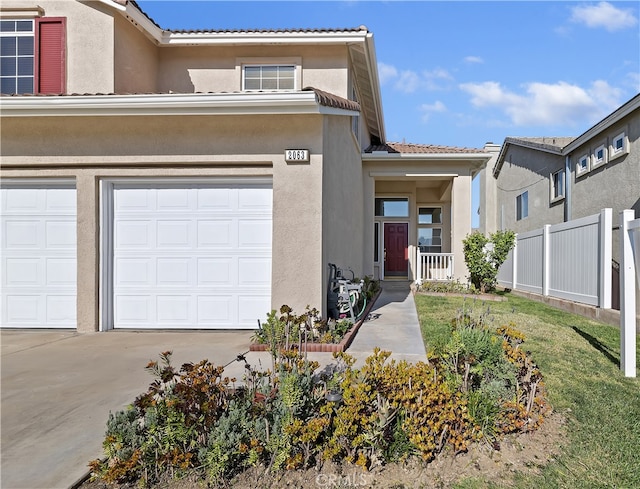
[582, 166]
[32, 56]
[522, 206]
[618, 146]
[557, 185]
[392, 207]
[268, 77]
[430, 229]
[599, 156]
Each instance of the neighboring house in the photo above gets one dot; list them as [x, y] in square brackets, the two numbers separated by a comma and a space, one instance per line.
[538, 181]
[157, 178]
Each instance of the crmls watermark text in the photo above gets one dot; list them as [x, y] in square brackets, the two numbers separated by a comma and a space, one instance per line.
[334, 480]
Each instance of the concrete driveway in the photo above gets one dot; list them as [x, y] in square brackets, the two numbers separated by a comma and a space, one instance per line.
[58, 389]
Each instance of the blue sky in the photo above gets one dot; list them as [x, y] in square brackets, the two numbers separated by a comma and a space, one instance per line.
[463, 73]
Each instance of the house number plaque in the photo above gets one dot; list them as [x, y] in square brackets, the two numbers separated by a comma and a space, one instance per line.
[296, 155]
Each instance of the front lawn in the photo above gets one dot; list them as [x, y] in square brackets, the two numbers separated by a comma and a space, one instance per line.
[579, 359]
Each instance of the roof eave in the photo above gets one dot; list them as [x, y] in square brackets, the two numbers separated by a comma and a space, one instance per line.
[477, 157]
[620, 113]
[167, 104]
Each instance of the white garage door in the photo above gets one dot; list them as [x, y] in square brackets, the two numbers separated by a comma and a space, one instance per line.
[38, 257]
[192, 257]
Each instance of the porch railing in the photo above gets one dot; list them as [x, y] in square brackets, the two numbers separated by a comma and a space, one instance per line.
[435, 266]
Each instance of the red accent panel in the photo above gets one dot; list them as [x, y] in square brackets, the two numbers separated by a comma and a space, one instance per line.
[50, 73]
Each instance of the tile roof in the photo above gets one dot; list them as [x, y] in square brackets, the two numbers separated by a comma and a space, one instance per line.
[330, 100]
[419, 148]
[246, 31]
[553, 143]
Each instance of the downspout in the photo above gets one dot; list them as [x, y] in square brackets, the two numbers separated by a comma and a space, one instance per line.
[567, 188]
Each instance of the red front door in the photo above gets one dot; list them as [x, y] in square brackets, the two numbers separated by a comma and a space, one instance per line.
[396, 247]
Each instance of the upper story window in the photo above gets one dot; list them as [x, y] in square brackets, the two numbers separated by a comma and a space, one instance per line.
[17, 48]
[32, 55]
[268, 77]
[582, 165]
[522, 206]
[557, 185]
[618, 146]
[599, 156]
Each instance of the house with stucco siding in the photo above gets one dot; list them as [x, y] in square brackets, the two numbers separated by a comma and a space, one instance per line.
[155, 178]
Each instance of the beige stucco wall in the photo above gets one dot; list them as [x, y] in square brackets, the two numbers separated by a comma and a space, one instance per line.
[91, 149]
[218, 69]
[90, 41]
[135, 59]
[342, 200]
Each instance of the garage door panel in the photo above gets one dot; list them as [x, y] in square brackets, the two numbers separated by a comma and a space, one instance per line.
[61, 271]
[255, 233]
[207, 252]
[23, 310]
[20, 234]
[216, 233]
[133, 310]
[60, 234]
[61, 309]
[173, 272]
[38, 251]
[173, 310]
[253, 307]
[134, 234]
[21, 272]
[254, 271]
[173, 234]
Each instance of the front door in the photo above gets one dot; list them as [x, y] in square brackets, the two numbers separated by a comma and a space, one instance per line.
[396, 248]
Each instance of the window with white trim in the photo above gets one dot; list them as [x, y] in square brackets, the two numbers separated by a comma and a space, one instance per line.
[582, 165]
[599, 156]
[430, 229]
[557, 185]
[268, 77]
[17, 52]
[522, 206]
[618, 146]
[392, 207]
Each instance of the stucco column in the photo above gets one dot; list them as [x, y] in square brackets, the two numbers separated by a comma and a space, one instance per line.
[460, 222]
[368, 196]
[88, 253]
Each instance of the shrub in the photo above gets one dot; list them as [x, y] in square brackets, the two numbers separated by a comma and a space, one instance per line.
[484, 256]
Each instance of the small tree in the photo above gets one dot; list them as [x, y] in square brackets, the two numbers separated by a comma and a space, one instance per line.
[484, 256]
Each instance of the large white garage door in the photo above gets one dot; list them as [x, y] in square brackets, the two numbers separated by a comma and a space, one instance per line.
[38, 257]
[192, 257]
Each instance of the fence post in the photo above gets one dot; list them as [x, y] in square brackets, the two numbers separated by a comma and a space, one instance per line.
[418, 265]
[546, 259]
[604, 295]
[514, 265]
[627, 298]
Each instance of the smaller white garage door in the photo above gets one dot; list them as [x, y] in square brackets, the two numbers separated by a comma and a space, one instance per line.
[38, 246]
[192, 256]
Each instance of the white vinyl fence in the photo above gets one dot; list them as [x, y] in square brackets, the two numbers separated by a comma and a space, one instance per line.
[571, 260]
[629, 253]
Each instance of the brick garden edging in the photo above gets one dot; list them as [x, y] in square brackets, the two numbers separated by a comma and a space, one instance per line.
[331, 347]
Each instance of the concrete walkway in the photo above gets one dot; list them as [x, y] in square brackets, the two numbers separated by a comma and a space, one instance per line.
[58, 387]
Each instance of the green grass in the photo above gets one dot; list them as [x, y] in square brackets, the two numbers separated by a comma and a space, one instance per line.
[580, 361]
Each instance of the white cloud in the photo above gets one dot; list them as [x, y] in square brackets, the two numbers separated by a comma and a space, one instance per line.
[544, 104]
[473, 59]
[409, 81]
[603, 15]
[428, 109]
[386, 72]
